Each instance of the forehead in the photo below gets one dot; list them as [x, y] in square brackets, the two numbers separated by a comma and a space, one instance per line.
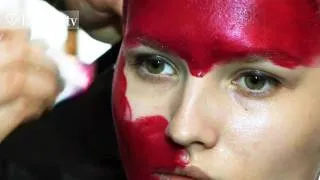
[198, 30]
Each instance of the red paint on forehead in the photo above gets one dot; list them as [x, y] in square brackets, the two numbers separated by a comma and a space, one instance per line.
[205, 32]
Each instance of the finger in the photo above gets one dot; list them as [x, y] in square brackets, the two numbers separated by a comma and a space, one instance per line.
[41, 84]
[107, 5]
[13, 72]
[12, 80]
[108, 34]
[90, 18]
[43, 75]
[37, 56]
[118, 6]
[16, 112]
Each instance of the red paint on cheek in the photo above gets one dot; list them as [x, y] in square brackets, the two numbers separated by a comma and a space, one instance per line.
[207, 32]
[144, 147]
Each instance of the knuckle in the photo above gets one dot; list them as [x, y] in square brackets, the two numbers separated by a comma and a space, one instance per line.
[22, 106]
[51, 88]
[33, 114]
[29, 108]
[17, 52]
[42, 83]
[12, 83]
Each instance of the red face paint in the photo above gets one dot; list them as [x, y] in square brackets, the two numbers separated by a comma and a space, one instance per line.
[145, 149]
[203, 33]
[215, 31]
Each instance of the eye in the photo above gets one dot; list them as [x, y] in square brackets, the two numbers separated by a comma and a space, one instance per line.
[256, 83]
[154, 66]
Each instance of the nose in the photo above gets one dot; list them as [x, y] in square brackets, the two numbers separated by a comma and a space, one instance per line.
[192, 120]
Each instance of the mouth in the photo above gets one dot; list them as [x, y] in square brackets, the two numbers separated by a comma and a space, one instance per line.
[189, 173]
[173, 177]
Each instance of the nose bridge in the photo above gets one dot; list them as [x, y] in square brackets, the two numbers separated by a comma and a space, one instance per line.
[188, 124]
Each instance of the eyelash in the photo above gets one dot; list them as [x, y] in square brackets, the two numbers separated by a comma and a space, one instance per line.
[273, 82]
[139, 60]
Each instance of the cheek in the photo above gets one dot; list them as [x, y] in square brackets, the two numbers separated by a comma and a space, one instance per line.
[148, 98]
[143, 144]
[271, 127]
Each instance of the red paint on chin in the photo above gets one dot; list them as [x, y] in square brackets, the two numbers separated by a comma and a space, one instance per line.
[144, 147]
[207, 32]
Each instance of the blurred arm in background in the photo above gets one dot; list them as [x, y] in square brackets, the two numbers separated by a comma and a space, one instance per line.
[75, 140]
[100, 18]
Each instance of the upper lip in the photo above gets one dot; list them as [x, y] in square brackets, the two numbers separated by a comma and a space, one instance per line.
[190, 172]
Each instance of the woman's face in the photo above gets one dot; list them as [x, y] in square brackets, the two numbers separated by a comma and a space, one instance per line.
[219, 90]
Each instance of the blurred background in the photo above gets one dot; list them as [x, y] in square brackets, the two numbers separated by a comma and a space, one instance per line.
[48, 24]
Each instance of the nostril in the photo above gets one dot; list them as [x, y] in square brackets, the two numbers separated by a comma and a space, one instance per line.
[181, 136]
[185, 135]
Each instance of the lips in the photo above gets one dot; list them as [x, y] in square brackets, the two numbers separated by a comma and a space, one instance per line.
[189, 173]
[173, 177]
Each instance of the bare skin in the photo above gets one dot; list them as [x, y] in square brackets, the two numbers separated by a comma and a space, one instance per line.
[24, 68]
[28, 81]
[217, 85]
[272, 134]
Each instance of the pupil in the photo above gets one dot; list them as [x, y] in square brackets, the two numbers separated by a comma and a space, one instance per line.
[255, 82]
[156, 64]
[255, 79]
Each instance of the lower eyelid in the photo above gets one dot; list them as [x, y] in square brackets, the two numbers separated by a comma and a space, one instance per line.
[236, 86]
[144, 74]
[250, 94]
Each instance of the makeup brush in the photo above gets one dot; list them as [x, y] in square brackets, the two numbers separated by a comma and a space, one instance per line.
[77, 77]
[71, 45]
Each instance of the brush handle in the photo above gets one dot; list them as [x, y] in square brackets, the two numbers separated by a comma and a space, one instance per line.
[71, 44]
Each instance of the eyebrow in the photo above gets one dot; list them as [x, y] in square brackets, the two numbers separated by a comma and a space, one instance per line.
[253, 59]
[153, 44]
